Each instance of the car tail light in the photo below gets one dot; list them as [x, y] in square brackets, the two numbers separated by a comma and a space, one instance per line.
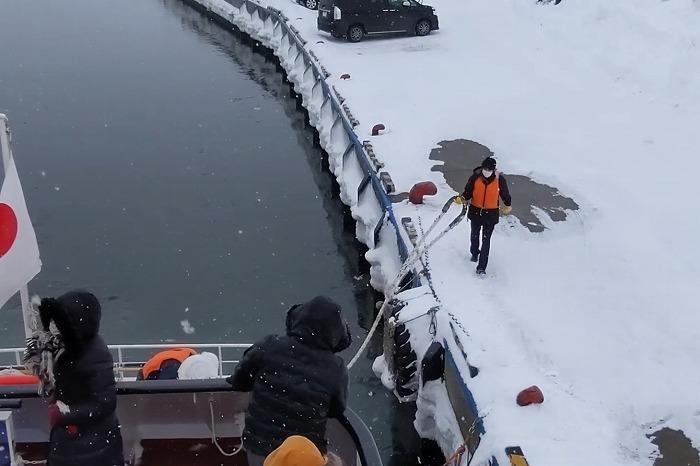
[337, 14]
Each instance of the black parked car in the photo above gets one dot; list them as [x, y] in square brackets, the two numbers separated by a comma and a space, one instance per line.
[354, 19]
[310, 4]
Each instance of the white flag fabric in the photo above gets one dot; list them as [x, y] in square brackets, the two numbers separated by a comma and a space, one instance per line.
[19, 252]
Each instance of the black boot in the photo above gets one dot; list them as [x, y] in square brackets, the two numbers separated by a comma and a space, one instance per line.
[480, 271]
[475, 257]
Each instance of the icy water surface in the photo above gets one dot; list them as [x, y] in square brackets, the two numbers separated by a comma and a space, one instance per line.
[167, 170]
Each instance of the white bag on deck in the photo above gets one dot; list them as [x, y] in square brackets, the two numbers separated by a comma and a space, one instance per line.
[199, 366]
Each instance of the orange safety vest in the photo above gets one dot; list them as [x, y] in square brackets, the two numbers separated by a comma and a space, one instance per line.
[485, 196]
[153, 364]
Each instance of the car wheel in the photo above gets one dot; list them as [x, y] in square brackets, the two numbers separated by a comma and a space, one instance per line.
[311, 4]
[423, 27]
[355, 33]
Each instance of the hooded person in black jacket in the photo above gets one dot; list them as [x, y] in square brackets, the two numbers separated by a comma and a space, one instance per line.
[84, 427]
[297, 381]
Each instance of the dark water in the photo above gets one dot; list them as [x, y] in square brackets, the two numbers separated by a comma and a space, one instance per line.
[461, 156]
[167, 170]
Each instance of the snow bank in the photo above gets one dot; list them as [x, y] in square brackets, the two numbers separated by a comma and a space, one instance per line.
[602, 100]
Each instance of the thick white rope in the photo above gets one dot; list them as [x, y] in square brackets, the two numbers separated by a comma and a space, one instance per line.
[369, 335]
[213, 435]
[416, 254]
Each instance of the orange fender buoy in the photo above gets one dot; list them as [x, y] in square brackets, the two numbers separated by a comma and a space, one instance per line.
[424, 188]
[531, 395]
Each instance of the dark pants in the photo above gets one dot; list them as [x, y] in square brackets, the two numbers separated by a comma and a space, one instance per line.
[481, 226]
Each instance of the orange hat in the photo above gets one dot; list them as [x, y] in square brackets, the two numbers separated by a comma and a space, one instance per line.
[296, 451]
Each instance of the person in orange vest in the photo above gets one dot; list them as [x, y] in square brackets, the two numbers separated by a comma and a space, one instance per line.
[483, 190]
[164, 365]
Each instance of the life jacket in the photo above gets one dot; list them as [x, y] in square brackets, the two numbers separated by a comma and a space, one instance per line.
[485, 195]
[178, 354]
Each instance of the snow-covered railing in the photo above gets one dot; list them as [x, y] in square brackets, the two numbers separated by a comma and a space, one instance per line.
[128, 359]
[269, 26]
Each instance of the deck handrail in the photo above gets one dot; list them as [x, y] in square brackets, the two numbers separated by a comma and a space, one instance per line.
[122, 364]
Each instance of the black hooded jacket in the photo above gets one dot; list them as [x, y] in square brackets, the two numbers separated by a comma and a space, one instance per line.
[297, 381]
[84, 376]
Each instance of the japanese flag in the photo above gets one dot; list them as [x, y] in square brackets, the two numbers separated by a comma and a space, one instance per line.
[19, 252]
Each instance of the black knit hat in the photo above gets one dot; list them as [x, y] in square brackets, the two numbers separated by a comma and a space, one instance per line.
[489, 163]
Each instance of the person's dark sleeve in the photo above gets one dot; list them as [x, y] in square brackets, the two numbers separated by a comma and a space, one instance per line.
[247, 369]
[340, 400]
[102, 400]
[503, 188]
[469, 188]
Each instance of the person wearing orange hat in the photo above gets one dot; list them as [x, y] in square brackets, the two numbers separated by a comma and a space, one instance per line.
[296, 451]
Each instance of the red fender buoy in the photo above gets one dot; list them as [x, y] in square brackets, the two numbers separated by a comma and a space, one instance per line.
[18, 379]
[424, 188]
[530, 395]
[377, 128]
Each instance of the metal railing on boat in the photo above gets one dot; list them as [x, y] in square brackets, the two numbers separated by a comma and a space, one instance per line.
[128, 359]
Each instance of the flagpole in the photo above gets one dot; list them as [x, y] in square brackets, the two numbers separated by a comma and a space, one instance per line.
[6, 157]
[4, 140]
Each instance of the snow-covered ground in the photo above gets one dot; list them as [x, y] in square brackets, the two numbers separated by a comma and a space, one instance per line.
[601, 99]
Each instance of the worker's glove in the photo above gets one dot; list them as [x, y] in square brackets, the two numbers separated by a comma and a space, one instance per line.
[54, 414]
[460, 200]
[56, 410]
[62, 407]
[506, 209]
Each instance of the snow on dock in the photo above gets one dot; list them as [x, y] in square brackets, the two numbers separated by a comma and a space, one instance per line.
[598, 99]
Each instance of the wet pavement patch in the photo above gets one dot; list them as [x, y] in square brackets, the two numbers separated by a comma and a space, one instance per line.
[461, 156]
[675, 449]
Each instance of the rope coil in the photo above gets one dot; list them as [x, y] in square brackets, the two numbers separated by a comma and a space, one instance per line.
[214, 439]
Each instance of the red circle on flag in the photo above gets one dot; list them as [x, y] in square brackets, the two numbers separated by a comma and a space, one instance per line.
[8, 228]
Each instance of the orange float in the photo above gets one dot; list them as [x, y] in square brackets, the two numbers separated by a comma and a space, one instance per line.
[18, 379]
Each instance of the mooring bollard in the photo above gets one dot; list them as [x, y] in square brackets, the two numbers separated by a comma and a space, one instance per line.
[419, 190]
[377, 128]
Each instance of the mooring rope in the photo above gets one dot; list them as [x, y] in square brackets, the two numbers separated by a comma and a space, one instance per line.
[214, 439]
[416, 254]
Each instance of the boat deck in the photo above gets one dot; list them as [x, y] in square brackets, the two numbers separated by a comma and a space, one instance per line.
[173, 422]
[171, 452]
